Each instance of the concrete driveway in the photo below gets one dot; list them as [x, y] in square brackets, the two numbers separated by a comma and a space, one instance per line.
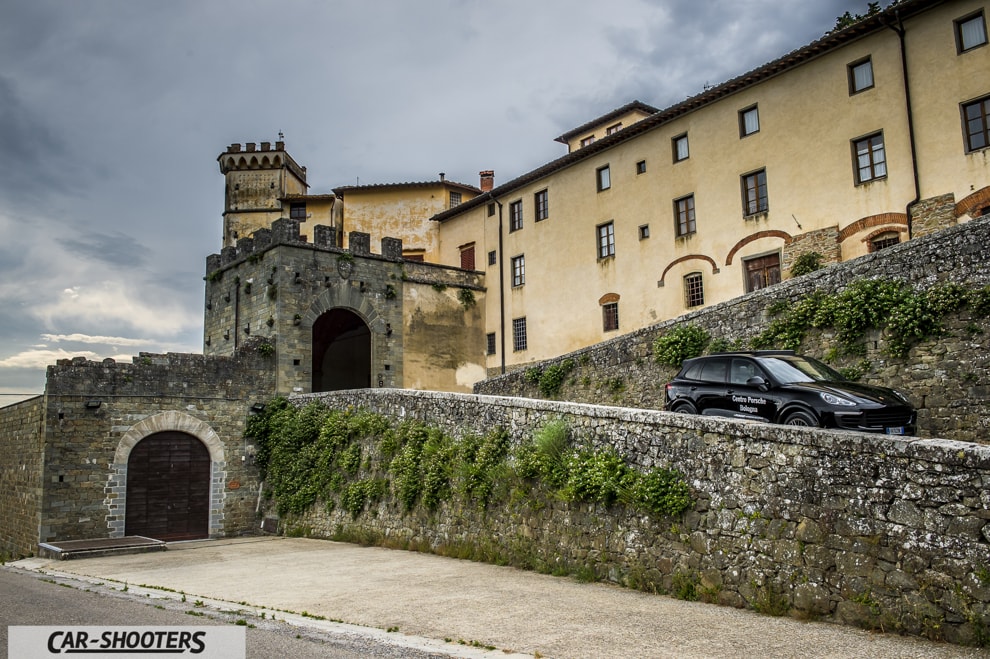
[460, 607]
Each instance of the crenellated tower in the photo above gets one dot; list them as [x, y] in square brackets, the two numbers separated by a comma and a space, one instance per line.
[260, 184]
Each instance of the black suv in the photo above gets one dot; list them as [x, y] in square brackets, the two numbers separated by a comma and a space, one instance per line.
[782, 387]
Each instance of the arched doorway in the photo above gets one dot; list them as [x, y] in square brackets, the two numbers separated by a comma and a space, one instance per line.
[168, 488]
[341, 351]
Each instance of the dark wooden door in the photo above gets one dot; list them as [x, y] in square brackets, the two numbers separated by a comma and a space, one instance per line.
[168, 488]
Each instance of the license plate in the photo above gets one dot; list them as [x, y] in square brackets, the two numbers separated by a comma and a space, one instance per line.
[898, 430]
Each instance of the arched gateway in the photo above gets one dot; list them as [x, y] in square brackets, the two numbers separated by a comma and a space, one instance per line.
[341, 351]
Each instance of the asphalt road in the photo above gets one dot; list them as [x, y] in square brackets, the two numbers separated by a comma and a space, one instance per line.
[452, 607]
[32, 598]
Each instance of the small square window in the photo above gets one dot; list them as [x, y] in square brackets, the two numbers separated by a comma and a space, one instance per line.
[870, 158]
[603, 177]
[749, 121]
[971, 32]
[515, 216]
[587, 141]
[644, 231]
[541, 201]
[694, 290]
[680, 147]
[884, 240]
[297, 211]
[491, 257]
[519, 334]
[455, 199]
[606, 240]
[491, 343]
[641, 167]
[615, 128]
[860, 76]
[518, 270]
[610, 317]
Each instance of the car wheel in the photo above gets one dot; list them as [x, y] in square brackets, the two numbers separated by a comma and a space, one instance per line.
[684, 408]
[800, 418]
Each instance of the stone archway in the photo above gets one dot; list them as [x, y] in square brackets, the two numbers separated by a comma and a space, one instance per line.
[166, 422]
[341, 351]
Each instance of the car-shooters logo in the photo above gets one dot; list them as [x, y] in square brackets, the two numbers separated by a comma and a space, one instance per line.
[123, 642]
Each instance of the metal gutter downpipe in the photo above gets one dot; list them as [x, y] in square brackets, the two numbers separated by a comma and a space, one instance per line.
[501, 285]
[900, 31]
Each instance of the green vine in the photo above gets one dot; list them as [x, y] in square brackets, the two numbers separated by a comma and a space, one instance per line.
[355, 460]
[806, 263]
[680, 343]
[466, 298]
[550, 379]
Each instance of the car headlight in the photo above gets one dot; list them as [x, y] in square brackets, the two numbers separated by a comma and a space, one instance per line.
[832, 399]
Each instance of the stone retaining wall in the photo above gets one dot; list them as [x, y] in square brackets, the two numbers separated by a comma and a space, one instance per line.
[947, 378]
[861, 529]
[21, 463]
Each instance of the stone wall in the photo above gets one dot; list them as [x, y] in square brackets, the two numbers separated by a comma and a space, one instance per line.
[890, 533]
[947, 378]
[21, 460]
[94, 412]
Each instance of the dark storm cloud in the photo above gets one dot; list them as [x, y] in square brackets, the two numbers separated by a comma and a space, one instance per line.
[30, 148]
[117, 250]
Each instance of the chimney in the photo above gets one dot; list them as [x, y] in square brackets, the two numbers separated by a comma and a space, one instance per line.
[487, 179]
[443, 177]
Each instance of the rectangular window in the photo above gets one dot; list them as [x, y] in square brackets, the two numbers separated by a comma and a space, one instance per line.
[606, 240]
[467, 257]
[491, 209]
[680, 147]
[610, 317]
[604, 178]
[641, 167]
[455, 199]
[761, 272]
[515, 216]
[749, 121]
[541, 201]
[644, 231]
[491, 257]
[518, 334]
[871, 160]
[491, 343]
[971, 32]
[297, 211]
[694, 290]
[860, 76]
[518, 270]
[884, 240]
[615, 128]
[754, 190]
[588, 140]
[684, 215]
[977, 118]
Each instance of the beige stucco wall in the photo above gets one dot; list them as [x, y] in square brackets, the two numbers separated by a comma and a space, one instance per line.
[600, 130]
[400, 212]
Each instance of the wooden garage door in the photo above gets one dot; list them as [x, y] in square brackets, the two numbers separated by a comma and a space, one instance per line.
[168, 488]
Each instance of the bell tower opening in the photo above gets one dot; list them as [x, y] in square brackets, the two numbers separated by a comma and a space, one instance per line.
[341, 352]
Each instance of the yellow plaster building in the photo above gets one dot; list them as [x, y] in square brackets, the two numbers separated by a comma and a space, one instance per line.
[867, 137]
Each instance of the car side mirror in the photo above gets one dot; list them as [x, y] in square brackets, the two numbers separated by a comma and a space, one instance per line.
[758, 382]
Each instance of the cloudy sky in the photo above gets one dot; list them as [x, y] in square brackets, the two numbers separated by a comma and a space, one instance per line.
[113, 112]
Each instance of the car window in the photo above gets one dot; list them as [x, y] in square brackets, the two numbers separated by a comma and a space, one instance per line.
[742, 370]
[788, 370]
[714, 370]
[693, 372]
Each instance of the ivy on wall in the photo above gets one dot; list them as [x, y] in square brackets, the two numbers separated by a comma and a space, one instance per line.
[356, 459]
[908, 316]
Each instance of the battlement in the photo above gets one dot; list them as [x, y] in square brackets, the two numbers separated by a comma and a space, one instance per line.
[286, 232]
[255, 156]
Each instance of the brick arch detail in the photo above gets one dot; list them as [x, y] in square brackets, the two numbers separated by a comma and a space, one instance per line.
[771, 233]
[879, 232]
[872, 221]
[971, 203]
[344, 296]
[689, 257]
